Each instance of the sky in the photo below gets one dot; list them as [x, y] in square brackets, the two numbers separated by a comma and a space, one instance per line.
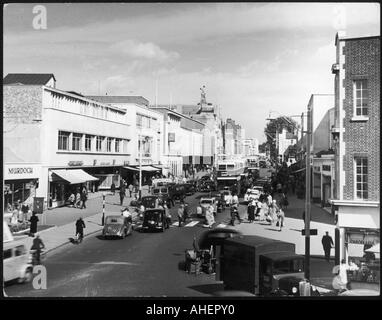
[253, 58]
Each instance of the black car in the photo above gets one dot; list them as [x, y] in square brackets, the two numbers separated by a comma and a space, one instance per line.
[207, 186]
[189, 188]
[289, 286]
[154, 219]
[149, 201]
[178, 192]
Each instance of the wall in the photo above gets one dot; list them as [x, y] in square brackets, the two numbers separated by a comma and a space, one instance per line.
[362, 60]
[21, 134]
[322, 137]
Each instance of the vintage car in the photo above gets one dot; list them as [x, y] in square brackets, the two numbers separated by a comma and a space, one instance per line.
[178, 192]
[205, 203]
[207, 186]
[189, 188]
[251, 194]
[117, 226]
[163, 193]
[154, 219]
[17, 264]
[149, 201]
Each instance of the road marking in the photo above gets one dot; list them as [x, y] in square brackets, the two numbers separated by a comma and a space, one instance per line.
[192, 223]
[221, 225]
[117, 262]
[175, 224]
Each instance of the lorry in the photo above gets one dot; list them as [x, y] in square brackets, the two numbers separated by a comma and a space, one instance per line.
[257, 265]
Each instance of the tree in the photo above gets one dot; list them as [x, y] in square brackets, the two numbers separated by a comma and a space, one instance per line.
[262, 147]
[274, 126]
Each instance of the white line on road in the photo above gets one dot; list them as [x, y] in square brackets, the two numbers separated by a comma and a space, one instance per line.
[192, 223]
[222, 225]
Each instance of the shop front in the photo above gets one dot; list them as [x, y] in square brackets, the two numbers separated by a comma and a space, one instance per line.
[20, 184]
[365, 263]
[64, 182]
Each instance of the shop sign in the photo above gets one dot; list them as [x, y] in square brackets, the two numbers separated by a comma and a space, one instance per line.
[75, 163]
[17, 171]
[171, 137]
[104, 164]
[363, 238]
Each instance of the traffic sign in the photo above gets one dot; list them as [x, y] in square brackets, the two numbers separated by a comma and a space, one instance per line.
[313, 232]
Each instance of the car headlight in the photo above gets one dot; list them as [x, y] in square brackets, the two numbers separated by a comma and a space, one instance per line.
[313, 288]
[294, 290]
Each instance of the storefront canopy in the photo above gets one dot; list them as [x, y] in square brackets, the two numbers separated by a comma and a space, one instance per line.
[131, 168]
[75, 176]
[374, 249]
[149, 168]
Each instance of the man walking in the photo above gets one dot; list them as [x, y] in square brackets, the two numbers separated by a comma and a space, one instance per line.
[180, 214]
[122, 192]
[37, 246]
[80, 225]
[131, 188]
[327, 244]
[84, 198]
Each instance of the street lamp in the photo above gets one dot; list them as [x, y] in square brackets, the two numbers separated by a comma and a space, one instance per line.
[146, 139]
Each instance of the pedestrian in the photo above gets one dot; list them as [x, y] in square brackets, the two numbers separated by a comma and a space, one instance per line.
[72, 200]
[340, 281]
[122, 193]
[185, 212]
[33, 227]
[167, 214]
[131, 188]
[37, 245]
[84, 198]
[303, 216]
[112, 188]
[80, 225]
[78, 199]
[180, 214]
[269, 199]
[327, 244]
[234, 215]
[251, 211]
[235, 200]
[280, 219]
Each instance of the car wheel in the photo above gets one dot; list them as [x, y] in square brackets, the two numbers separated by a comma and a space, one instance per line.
[28, 276]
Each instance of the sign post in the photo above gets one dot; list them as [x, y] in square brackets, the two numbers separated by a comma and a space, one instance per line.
[103, 209]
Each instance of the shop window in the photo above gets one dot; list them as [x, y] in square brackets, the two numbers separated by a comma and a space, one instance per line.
[361, 97]
[361, 175]
[99, 143]
[76, 141]
[88, 142]
[63, 140]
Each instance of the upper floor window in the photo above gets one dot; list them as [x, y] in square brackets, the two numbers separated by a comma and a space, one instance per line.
[139, 120]
[76, 141]
[99, 143]
[63, 140]
[108, 144]
[88, 142]
[117, 145]
[361, 171]
[361, 97]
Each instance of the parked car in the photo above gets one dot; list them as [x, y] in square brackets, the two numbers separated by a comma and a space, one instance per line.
[154, 219]
[205, 203]
[117, 226]
[17, 264]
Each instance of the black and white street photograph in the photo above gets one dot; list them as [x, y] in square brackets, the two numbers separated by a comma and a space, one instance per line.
[191, 150]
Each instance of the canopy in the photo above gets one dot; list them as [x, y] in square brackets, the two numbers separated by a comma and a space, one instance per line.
[374, 249]
[75, 176]
[149, 168]
[131, 168]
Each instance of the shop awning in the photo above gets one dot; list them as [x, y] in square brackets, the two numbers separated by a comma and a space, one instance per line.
[374, 249]
[75, 176]
[149, 168]
[131, 168]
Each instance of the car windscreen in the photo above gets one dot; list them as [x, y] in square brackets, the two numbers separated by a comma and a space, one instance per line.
[114, 220]
[155, 191]
[163, 190]
[288, 266]
[206, 201]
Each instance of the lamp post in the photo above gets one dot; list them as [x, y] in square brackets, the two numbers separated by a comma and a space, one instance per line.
[140, 165]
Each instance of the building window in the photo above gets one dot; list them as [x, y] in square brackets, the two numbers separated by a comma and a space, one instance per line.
[361, 172]
[76, 141]
[88, 142]
[139, 120]
[99, 143]
[125, 146]
[117, 145]
[361, 97]
[108, 145]
[63, 140]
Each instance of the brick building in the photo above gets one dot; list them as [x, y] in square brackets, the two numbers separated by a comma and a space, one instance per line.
[356, 134]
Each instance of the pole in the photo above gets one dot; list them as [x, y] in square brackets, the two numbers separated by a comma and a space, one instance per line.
[140, 168]
[307, 194]
[103, 208]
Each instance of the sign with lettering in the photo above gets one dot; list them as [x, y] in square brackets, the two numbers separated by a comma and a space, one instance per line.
[363, 238]
[21, 171]
[75, 163]
[104, 164]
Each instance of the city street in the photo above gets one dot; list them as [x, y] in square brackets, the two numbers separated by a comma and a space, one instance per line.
[143, 264]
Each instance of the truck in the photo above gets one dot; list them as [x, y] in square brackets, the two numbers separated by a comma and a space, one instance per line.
[257, 265]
